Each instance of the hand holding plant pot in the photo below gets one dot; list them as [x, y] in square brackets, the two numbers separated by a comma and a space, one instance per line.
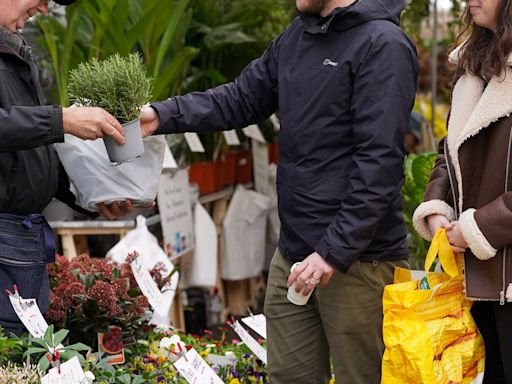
[120, 86]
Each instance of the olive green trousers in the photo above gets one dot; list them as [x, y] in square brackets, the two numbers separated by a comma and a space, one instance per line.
[341, 321]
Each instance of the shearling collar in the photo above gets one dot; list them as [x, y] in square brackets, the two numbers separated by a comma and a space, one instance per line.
[474, 107]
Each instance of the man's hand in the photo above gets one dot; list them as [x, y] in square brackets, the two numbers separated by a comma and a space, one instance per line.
[437, 221]
[115, 209]
[90, 123]
[149, 121]
[310, 272]
[457, 241]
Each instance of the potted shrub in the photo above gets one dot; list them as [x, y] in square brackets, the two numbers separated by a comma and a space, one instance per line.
[121, 86]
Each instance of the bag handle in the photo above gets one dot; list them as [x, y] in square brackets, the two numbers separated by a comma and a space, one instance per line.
[440, 246]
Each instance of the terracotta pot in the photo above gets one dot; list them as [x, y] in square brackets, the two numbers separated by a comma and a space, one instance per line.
[244, 166]
[273, 153]
[203, 174]
[229, 158]
[219, 175]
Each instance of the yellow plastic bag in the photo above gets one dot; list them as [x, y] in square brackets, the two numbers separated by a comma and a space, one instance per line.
[429, 334]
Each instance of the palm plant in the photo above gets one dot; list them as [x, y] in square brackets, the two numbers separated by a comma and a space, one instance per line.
[99, 28]
[417, 169]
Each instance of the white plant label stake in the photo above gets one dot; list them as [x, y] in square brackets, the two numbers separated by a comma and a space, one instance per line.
[258, 323]
[254, 132]
[231, 137]
[195, 370]
[252, 344]
[71, 372]
[159, 302]
[194, 142]
[30, 315]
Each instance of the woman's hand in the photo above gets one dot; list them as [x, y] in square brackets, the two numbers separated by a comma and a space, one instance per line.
[437, 221]
[457, 241]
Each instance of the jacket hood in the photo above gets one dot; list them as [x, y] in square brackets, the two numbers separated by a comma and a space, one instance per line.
[366, 10]
[359, 13]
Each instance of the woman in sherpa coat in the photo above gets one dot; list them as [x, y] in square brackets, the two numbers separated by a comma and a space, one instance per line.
[470, 189]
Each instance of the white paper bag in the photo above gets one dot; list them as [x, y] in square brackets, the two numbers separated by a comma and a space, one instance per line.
[243, 235]
[95, 179]
[146, 245]
[199, 269]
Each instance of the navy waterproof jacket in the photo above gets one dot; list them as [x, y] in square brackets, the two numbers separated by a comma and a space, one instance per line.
[344, 87]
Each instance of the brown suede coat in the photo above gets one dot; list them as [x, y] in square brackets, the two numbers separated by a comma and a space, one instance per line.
[470, 182]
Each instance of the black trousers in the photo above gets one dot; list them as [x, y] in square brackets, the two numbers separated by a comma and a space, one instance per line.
[495, 324]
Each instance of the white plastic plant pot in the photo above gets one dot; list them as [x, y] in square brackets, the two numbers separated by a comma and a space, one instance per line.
[131, 149]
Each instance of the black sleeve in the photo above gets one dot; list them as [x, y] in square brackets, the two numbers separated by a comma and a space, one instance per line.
[29, 127]
[251, 98]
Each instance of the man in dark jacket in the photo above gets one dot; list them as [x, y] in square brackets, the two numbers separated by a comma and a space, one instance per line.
[30, 173]
[342, 77]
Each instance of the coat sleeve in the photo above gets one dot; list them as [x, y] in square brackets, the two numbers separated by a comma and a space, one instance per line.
[383, 96]
[30, 127]
[251, 98]
[487, 229]
[438, 196]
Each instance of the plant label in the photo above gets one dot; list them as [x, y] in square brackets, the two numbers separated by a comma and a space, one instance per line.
[258, 323]
[71, 372]
[159, 302]
[30, 315]
[195, 370]
[254, 132]
[231, 137]
[275, 122]
[252, 344]
[194, 142]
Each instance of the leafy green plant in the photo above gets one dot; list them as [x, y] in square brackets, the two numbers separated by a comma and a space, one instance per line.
[8, 347]
[47, 347]
[117, 84]
[99, 28]
[417, 169]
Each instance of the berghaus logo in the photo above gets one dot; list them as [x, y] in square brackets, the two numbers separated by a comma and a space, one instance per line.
[330, 62]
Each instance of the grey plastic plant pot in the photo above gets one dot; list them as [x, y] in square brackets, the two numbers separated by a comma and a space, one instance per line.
[132, 148]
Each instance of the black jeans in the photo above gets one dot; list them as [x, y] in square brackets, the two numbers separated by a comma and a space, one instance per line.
[495, 324]
[23, 259]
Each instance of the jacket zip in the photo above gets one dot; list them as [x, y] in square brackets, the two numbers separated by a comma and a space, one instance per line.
[505, 248]
[452, 185]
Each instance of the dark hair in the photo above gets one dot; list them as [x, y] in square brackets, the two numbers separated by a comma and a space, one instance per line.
[485, 53]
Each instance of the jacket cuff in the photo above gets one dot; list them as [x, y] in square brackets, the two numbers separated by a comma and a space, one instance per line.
[476, 240]
[166, 111]
[56, 124]
[427, 208]
[323, 250]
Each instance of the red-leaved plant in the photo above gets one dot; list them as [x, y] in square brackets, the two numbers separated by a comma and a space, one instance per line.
[89, 294]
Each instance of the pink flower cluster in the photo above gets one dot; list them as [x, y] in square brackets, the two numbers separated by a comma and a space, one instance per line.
[92, 290]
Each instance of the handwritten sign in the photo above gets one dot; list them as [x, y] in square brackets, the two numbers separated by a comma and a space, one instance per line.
[176, 213]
